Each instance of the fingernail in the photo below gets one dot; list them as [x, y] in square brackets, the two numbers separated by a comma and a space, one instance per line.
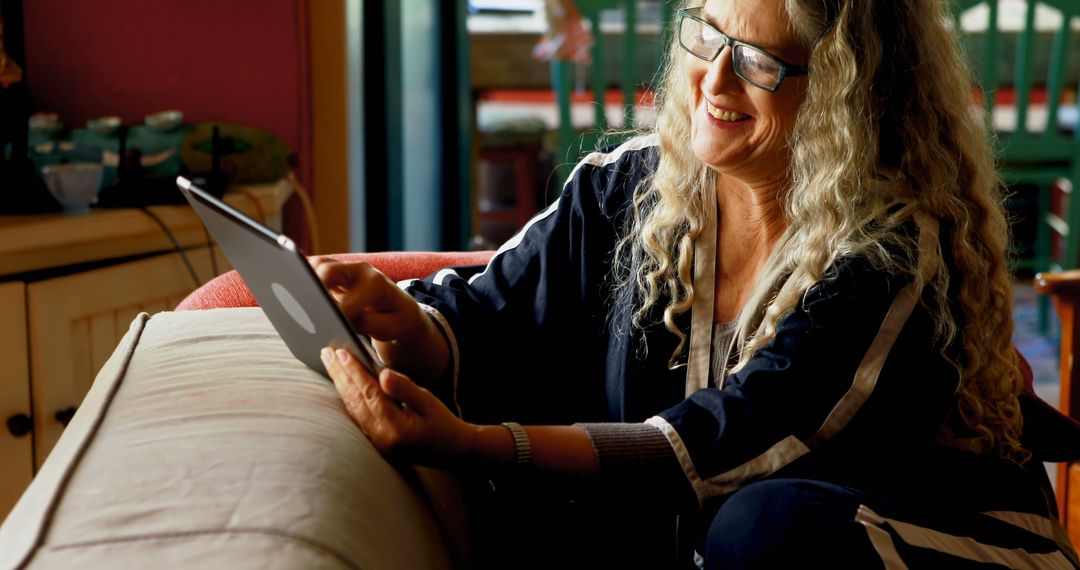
[324, 354]
[342, 355]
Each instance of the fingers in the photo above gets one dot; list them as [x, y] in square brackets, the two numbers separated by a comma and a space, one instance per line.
[373, 303]
[342, 277]
[355, 404]
[373, 410]
[353, 374]
[335, 275]
[401, 389]
[398, 416]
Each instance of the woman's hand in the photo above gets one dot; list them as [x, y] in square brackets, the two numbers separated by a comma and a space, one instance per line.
[398, 416]
[405, 338]
[403, 419]
[373, 303]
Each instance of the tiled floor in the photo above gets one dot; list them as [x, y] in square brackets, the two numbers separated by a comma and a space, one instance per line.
[1038, 347]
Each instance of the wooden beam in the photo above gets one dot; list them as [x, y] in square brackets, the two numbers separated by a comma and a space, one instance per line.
[330, 137]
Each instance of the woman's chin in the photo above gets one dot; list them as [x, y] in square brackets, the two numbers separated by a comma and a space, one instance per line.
[716, 155]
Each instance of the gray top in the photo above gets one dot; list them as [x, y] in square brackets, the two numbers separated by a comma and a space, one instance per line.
[722, 335]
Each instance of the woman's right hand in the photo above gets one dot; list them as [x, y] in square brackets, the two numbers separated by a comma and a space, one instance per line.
[405, 338]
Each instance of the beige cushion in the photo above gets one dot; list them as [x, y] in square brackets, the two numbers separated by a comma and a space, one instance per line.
[204, 443]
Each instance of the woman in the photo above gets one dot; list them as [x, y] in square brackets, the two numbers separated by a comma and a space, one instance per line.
[790, 303]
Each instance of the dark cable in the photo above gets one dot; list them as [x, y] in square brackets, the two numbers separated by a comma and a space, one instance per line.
[176, 245]
[210, 248]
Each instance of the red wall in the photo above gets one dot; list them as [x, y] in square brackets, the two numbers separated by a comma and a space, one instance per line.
[237, 61]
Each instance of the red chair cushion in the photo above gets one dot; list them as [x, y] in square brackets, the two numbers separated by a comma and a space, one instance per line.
[229, 290]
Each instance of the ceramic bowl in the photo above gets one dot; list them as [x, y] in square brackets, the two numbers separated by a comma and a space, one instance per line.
[47, 123]
[75, 185]
[165, 120]
[104, 125]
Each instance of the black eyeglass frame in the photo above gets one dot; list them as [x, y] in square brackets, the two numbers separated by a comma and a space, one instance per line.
[786, 69]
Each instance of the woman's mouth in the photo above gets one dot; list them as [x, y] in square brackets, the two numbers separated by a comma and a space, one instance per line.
[723, 115]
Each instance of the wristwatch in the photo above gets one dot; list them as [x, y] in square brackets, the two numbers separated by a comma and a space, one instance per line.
[522, 447]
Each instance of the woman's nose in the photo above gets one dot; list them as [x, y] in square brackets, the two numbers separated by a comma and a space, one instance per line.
[721, 75]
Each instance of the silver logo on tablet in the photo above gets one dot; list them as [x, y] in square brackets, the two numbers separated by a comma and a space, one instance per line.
[292, 307]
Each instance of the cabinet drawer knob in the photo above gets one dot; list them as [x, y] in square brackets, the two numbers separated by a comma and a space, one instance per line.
[64, 416]
[20, 425]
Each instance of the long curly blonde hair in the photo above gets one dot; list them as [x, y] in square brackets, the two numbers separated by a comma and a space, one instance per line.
[888, 122]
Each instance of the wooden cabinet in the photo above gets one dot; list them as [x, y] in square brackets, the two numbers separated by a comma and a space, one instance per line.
[59, 322]
[78, 319]
[16, 440]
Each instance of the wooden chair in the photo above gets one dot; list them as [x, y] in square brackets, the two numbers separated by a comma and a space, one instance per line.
[1064, 289]
[1031, 156]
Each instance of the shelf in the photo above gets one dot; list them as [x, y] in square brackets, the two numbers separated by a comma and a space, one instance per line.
[29, 243]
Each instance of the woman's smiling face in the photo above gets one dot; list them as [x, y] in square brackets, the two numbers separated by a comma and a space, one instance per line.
[738, 128]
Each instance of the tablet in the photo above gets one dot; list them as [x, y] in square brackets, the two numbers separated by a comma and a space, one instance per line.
[283, 282]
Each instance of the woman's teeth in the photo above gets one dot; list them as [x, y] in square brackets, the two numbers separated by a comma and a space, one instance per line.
[725, 115]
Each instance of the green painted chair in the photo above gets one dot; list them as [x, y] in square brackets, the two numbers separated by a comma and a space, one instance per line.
[1027, 60]
[572, 145]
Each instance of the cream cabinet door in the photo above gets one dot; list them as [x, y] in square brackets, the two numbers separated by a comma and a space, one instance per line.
[75, 322]
[16, 443]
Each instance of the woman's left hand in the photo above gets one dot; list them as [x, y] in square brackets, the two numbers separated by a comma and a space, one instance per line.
[398, 416]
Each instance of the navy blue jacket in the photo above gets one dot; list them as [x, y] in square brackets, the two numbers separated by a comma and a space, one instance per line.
[851, 382]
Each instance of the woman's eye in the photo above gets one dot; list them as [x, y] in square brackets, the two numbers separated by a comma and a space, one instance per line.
[760, 63]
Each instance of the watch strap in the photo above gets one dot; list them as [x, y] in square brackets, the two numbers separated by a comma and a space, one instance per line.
[522, 446]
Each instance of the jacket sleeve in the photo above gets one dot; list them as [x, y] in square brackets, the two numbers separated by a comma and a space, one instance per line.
[518, 327]
[855, 361]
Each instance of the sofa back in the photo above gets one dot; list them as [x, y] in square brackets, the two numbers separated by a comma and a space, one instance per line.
[228, 289]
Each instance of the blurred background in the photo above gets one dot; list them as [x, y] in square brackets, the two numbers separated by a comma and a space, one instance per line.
[412, 124]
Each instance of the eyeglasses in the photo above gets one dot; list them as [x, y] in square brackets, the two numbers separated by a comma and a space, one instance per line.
[752, 64]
